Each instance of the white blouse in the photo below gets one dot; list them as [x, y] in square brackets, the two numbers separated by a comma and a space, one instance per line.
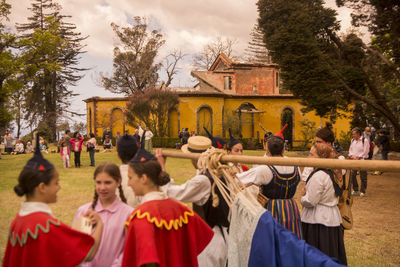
[196, 190]
[320, 202]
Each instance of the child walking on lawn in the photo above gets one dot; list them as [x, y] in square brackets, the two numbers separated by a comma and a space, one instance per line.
[64, 152]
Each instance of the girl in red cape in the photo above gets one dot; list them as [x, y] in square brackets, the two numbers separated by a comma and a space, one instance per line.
[161, 231]
[36, 237]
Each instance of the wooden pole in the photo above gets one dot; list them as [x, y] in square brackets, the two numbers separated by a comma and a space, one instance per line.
[367, 165]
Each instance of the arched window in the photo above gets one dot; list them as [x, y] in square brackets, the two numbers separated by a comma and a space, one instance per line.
[117, 121]
[204, 119]
[287, 117]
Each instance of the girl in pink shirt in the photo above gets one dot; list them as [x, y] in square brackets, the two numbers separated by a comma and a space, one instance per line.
[77, 148]
[113, 213]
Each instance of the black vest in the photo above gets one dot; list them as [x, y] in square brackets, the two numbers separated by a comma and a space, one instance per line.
[282, 186]
[214, 215]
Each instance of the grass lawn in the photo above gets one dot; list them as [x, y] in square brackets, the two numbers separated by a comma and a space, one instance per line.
[374, 240]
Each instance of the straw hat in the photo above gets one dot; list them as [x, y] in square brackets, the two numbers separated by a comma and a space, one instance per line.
[197, 144]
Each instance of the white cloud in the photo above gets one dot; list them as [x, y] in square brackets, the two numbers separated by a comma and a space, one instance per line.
[186, 25]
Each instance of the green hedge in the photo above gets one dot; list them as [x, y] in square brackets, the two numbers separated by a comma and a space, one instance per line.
[166, 142]
[395, 145]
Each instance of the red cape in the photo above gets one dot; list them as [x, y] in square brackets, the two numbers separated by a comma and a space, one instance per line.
[38, 239]
[165, 232]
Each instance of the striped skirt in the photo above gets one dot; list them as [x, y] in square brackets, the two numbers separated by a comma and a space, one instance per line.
[286, 212]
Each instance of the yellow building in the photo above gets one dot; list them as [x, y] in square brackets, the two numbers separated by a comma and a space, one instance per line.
[230, 94]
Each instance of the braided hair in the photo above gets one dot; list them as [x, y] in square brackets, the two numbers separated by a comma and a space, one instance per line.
[113, 171]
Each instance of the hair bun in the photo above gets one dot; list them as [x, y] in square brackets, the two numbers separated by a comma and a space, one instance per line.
[19, 190]
[163, 178]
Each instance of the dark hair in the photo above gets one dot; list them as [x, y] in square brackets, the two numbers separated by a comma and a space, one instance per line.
[29, 179]
[76, 133]
[152, 169]
[126, 156]
[113, 171]
[92, 135]
[275, 145]
[67, 131]
[357, 130]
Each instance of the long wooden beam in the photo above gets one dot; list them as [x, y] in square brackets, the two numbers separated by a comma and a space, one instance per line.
[368, 165]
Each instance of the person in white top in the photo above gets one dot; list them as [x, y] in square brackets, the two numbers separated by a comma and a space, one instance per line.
[19, 147]
[198, 191]
[146, 136]
[321, 219]
[359, 149]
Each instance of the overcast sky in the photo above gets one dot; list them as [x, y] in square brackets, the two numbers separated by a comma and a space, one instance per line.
[186, 25]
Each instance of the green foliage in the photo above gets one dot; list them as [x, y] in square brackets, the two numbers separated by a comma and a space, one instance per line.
[232, 121]
[151, 108]
[8, 68]
[50, 49]
[250, 143]
[134, 66]
[165, 142]
[79, 126]
[326, 72]
[395, 145]
[345, 139]
[308, 131]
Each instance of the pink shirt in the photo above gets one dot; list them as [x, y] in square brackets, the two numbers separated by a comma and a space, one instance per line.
[113, 236]
[357, 148]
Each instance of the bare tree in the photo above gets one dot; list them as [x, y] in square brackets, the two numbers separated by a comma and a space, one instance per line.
[210, 52]
[170, 65]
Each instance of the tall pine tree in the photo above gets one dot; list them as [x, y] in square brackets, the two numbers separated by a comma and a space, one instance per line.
[8, 67]
[257, 51]
[51, 48]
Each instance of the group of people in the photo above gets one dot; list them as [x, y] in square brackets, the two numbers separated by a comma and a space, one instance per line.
[184, 136]
[137, 217]
[15, 146]
[150, 229]
[366, 146]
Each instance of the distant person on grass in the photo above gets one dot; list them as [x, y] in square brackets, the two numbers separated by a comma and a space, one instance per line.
[359, 150]
[77, 142]
[107, 144]
[36, 237]
[64, 152]
[112, 211]
[91, 148]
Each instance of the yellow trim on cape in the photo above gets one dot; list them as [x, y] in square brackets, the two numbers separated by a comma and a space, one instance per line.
[174, 223]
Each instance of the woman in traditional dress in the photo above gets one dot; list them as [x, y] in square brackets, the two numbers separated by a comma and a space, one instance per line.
[161, 231]
[321, 219]
[36, 237]
[278, 186]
